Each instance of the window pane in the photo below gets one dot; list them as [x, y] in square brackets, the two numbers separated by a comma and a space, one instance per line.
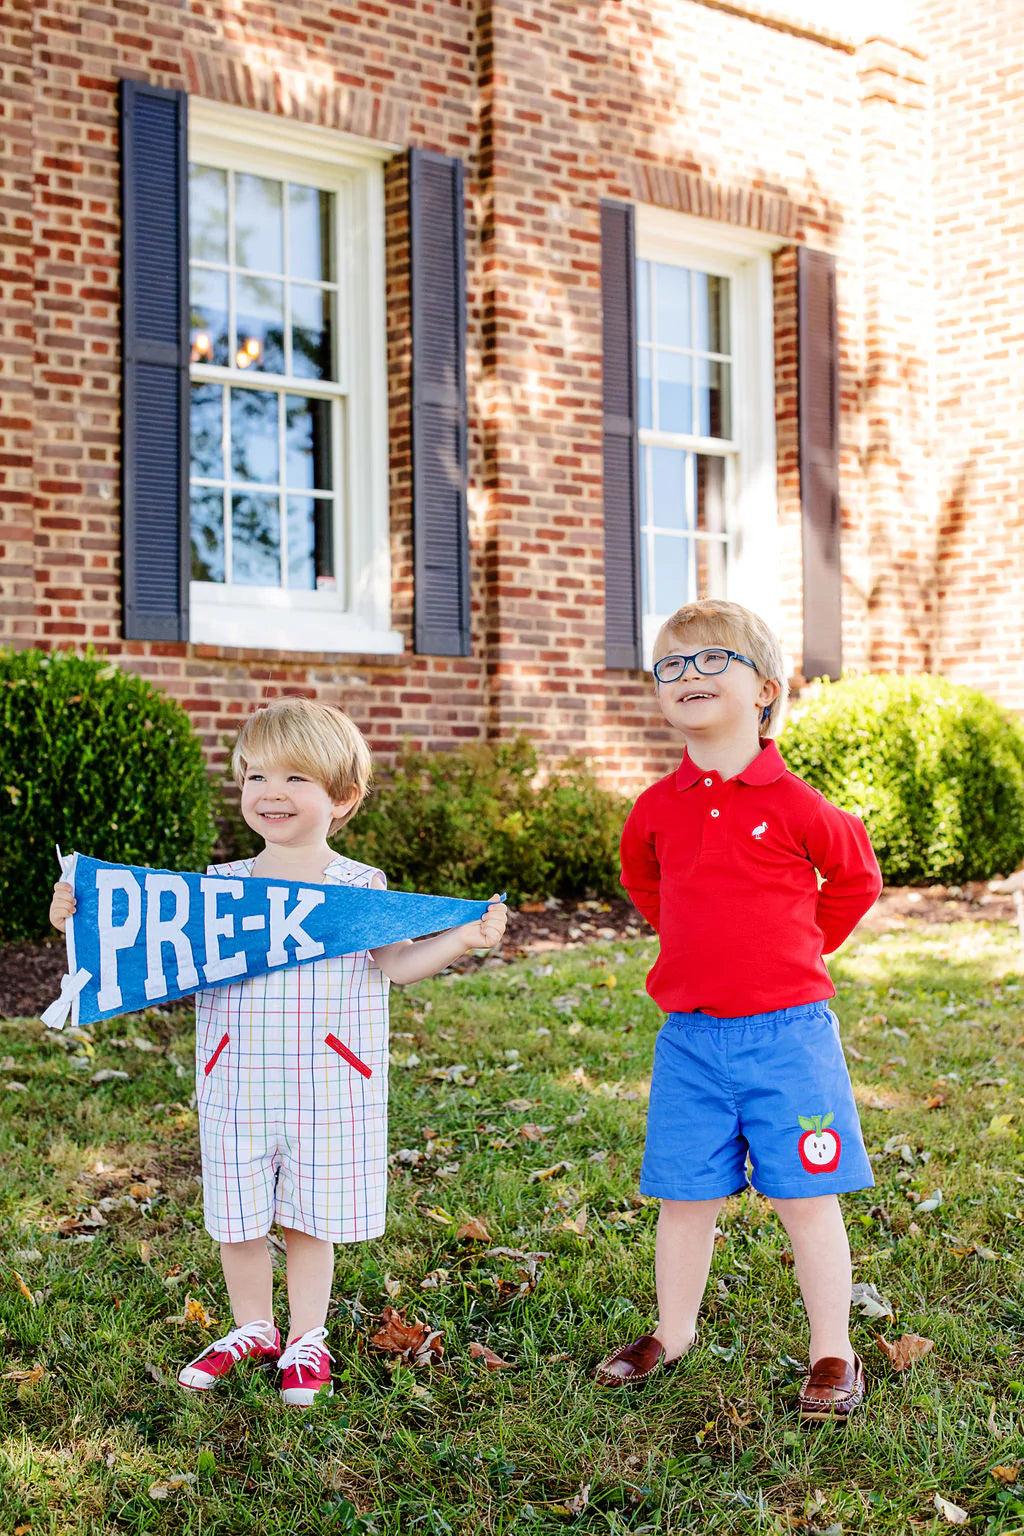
[254, 444]
[708, 493]
[645, 404]
[259, 324]
[714, 413]
[256, 540]
[312, 317]
[671, 573]
[207, 213]
[207, 534]
[711, 306]
[310, 543]
[308, 443]
[208, 316]
[672, 306]
[259, 223]
[643, 301]
[309, 233]
[207, 430]
[675, 393]
[668, 506]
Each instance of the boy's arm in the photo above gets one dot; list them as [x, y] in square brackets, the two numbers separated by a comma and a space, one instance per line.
[641, 872]
[838, 846]
[410, 960]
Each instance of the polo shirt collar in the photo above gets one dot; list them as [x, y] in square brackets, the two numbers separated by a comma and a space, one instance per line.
[766, 767]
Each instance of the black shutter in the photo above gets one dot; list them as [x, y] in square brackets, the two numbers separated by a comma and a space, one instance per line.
[439, 431]
[621, 511]
[818, 410]
[155, 351]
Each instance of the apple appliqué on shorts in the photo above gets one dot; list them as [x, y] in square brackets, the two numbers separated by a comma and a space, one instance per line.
[819, 1147]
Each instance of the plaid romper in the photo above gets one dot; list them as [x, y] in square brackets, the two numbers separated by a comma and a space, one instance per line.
[292, 1092]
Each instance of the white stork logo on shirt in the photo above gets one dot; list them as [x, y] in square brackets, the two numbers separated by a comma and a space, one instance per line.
[760, 831]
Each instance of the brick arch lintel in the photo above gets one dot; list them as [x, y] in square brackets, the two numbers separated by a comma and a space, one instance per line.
[305, 95]
[745, 205]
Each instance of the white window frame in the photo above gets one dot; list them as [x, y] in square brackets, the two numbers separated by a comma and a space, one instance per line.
[356, 618]
[753, 576]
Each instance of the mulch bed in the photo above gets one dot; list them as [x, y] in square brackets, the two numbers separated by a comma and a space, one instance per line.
[30, 974]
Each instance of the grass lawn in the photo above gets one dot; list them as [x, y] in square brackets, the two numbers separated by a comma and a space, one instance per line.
[531, 1069]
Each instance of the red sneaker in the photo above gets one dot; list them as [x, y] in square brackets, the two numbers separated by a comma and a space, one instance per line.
[306, 1365]
[258, 1341]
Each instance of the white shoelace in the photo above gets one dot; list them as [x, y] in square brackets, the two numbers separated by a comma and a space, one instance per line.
[304, 1352]
[240, 1340]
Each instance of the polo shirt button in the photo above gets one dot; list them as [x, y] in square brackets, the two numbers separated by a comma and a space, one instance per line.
[714, 813]
[708, 783]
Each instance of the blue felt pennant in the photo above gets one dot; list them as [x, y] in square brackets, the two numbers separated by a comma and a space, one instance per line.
[146, 936]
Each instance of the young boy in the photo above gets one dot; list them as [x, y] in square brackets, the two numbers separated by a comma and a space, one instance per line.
[291, 1070]
[722, 857]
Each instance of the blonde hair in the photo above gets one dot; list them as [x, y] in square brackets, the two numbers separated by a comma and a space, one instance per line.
[314, 739]
[715, 622]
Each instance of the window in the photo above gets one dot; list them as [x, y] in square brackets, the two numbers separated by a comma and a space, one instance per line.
[705, 412]
[288, 481]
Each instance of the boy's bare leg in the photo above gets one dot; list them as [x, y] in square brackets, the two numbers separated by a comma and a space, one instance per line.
[821, 1253]
[250, 1280]
[682, 1261]
[310, 1273]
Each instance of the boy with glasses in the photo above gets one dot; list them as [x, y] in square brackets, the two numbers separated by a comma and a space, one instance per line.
[723, 858]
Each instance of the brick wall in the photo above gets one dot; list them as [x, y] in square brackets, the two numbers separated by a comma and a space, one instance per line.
[976, 56]
[747, 119]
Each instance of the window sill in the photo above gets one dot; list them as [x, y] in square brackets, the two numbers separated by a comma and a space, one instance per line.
[279, 626]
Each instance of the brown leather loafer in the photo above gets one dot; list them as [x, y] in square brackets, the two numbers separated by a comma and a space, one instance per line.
[635, 1363]
[832, 1390]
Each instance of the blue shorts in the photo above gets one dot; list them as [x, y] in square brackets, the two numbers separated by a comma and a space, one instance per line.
[771, 1085]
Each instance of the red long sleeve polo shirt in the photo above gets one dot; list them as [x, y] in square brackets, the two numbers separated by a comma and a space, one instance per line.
[726, 872]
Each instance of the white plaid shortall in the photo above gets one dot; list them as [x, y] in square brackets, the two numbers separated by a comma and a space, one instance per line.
[292, 1094]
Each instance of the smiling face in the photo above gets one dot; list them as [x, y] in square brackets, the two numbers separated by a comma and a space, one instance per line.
[287, 807]
[726, 706]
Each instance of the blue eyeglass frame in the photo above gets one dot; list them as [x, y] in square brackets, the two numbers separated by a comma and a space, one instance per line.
[723, 650]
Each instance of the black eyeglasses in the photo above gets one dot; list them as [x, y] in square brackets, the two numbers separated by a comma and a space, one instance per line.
[707, 663]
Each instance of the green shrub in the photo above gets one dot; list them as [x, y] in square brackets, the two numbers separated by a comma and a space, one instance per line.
[99, 761]
[471, 822]
[935, 770]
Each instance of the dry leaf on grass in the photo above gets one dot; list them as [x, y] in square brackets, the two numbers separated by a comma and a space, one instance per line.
[28, 1377]
[391, 1287]
[549, 1173]
[473, 1231]
[414, 1343]
[578, 1224]
[160, 1377]
[142, 1190]
[23, 1288]
[195, 1312]
[530, 1132]
[951, 1512]
[435, 1279]
[1005, 1475]
[869, 1301]
[492, 1361]
[171, 1485]
[1001, 1125]
[905, 1351]
[439, 1214]
[990, 1423]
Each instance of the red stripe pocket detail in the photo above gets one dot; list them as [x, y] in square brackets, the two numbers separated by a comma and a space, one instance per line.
[213, 1059]
[353, 1060]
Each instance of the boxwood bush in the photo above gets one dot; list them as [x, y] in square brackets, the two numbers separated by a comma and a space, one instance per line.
[935, 770]
[97, 760]
[473, 821]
